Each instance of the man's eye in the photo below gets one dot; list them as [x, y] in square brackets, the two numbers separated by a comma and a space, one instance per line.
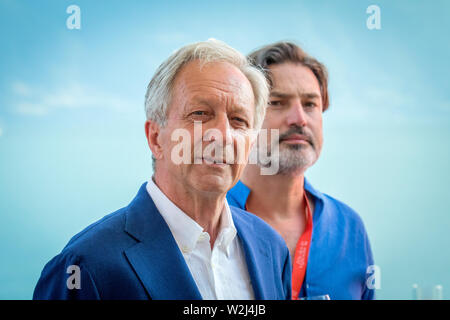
[310, 104]
[275, 103]
[240, 121]
[198, 113]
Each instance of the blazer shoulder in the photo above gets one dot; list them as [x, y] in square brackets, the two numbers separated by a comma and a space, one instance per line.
[101, 235]
[96, 252]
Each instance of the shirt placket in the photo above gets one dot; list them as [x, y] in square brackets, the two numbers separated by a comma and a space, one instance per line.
[216, 263]
[207, 254]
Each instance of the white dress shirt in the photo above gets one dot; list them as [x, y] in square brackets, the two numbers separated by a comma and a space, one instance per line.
[220, 273]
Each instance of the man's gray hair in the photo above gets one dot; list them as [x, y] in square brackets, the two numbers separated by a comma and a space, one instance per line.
[159, 90]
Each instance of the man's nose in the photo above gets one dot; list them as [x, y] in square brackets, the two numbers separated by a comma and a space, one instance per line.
[222, 132]
[296, 115]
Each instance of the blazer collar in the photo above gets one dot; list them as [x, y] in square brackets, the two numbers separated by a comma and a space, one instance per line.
[258, 255]
[156, 258]
[160, 265]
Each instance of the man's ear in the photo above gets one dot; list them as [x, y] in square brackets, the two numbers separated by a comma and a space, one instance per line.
[152, 132]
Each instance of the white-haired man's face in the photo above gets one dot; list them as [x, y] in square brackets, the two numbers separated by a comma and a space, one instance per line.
[295, 109]
[205, 143]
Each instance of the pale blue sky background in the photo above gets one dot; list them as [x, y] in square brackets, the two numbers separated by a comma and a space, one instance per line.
[72, 144]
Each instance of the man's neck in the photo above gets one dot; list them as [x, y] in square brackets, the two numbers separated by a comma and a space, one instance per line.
[203, 208]
[274, 196]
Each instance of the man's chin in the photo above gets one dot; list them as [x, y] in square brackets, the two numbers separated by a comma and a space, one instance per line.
[292, 161]
[212, 183]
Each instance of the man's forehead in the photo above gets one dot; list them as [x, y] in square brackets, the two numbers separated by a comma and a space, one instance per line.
[293, 79]
[214, 80]
[219, 72]
[213, 76]
[235, 102]
[199, 87]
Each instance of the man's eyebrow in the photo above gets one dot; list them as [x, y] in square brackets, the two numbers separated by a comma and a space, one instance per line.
[309, 95]
[241, 109]
[277, 94]
[201, 101]
[205, 102]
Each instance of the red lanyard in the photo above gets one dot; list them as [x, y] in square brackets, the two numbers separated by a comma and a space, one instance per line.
[301, 253]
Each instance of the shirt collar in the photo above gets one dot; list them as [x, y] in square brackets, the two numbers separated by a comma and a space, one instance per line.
[184, 229]
[240, 192]
[227, 231]
[312, 191]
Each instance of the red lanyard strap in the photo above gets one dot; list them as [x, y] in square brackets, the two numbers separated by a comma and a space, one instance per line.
[301, 253]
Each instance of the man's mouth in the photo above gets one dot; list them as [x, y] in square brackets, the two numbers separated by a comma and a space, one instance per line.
[213, 161]
[296, 138]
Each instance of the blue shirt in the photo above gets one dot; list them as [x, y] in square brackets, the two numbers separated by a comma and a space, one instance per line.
[340, 251]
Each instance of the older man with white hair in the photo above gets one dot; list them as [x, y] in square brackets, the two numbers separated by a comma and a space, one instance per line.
[179, 239]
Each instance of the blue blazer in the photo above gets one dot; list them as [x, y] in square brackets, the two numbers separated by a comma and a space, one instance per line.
[131, 254]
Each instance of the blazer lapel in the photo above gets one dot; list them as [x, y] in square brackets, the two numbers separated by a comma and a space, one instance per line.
[156, 258]
[258, 255]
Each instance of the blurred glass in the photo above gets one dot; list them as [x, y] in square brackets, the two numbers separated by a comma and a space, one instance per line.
[322, 297]
[427, 292]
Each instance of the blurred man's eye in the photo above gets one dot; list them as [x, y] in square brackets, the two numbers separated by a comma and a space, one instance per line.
[310, 104]
[275, 103]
